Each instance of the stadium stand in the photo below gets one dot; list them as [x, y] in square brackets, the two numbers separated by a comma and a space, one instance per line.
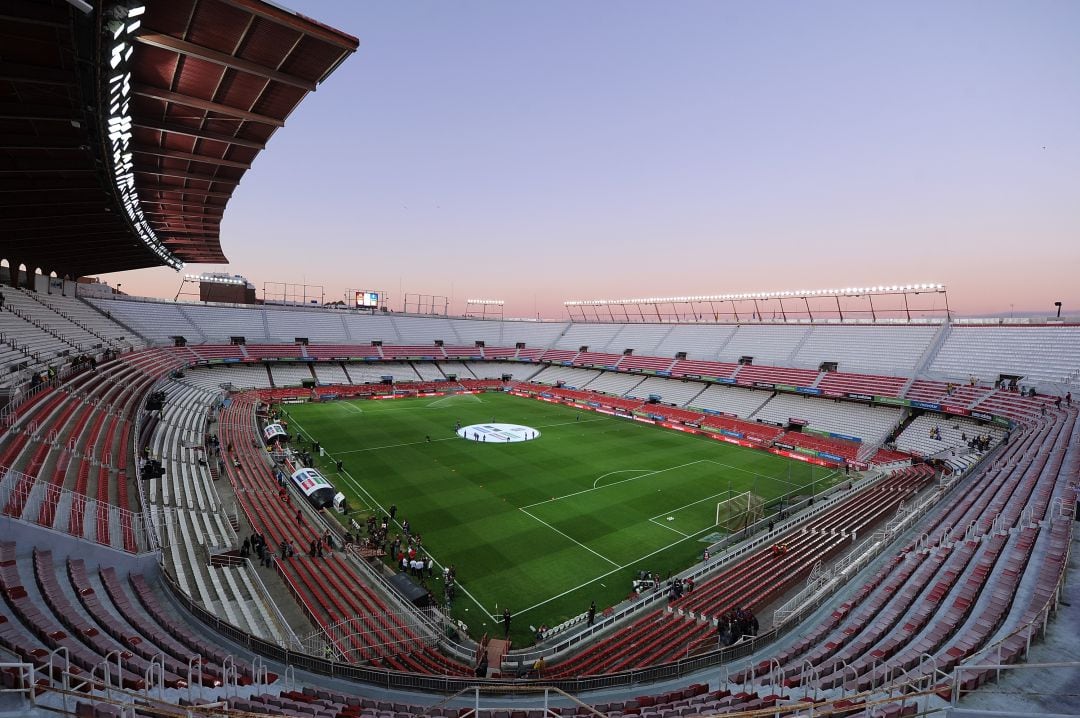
[697, 341]
[1038, 354]
[695, 369]
[867, 349]
[597, 337]
[373, 373]
[610, 382]
[670, 391]
[839, 384]
[739, 402]
[330, 373]
[572, 377]
[991, 563]
[285, 374]
[929, 435]
[644, 339]
[871, 424]
[458, 368]
[767, 344]
[495, 370]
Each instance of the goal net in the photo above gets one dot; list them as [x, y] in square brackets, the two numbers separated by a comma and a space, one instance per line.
[739, 511]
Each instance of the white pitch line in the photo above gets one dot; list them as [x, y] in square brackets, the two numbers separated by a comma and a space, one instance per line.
[394, 446]
[598, 555]
[686, 506]
[669, 528]
[620, 471]
[609, 573]
[616, 483]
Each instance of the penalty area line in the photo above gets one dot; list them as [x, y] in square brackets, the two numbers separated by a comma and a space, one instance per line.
[614, 483]
[669, 528]
[602, 576]
[570, 538]
[620, 471]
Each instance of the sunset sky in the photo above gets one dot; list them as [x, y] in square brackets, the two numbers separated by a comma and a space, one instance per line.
[543, 151]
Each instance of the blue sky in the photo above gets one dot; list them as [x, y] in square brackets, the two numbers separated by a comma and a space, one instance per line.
[537, 152]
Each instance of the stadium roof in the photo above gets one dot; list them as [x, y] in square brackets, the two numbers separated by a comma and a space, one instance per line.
[123, 131]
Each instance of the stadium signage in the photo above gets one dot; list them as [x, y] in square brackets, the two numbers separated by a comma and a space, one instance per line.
[807, 390]
[784, 387]
[981, 416]
[892, 400]
[1002, 421]
[725, 380]
[778, 445]
[764, 385]
[729, 432]
[860, 397]
[831, 457]
[273, 431]
[926, 405]
[954, 409]
[317, 489]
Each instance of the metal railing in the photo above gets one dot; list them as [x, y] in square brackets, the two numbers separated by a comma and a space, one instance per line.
[33, 500]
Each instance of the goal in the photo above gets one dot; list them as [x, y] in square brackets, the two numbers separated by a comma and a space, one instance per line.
[739, 511]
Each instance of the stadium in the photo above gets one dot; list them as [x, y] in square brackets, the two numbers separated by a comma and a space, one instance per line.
[844, 501]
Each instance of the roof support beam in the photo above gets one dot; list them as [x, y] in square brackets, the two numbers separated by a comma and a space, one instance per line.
[177, 155]
[189, 228]
[206, 105]
[189, 209]
[295, 21]
[143, 187]
[220, 58]
[195, 132]
[184, 174]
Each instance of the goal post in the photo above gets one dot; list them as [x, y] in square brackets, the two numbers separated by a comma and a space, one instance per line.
[739, 511]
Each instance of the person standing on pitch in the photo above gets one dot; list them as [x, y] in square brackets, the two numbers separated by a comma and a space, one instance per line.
[506, 622]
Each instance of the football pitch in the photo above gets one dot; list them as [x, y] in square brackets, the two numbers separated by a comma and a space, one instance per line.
[542, 527]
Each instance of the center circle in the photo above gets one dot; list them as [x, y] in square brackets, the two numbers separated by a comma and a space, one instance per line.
[498, 433]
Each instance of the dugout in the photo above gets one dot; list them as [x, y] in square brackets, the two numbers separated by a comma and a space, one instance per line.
[317, 489]
[272, 432]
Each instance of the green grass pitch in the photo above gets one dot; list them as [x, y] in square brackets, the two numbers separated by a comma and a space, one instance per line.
[544, 526]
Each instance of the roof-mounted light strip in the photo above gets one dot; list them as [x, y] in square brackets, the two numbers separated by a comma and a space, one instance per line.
[119, 128]
[751, 296]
